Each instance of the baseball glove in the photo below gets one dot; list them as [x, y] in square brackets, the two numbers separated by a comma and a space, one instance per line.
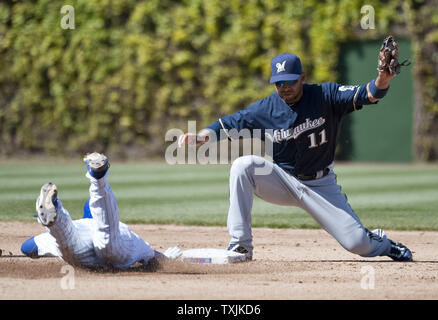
[388, 57]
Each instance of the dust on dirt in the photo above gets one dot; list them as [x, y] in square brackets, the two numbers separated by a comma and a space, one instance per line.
[289, 264]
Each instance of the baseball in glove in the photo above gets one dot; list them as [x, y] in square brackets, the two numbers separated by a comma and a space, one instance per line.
[388, 57]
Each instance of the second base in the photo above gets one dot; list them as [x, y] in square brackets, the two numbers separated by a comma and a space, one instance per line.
[211, 256]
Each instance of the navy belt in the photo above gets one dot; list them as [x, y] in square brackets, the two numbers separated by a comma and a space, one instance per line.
[317, 175]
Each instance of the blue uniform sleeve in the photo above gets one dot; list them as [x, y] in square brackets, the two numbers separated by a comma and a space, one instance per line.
[345, 99]
[242, 119]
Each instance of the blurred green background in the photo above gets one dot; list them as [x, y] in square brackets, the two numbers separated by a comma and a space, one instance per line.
[381, 132]
[388, 196]
[132, 69]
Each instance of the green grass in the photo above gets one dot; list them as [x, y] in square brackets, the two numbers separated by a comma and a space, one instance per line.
[403, 197]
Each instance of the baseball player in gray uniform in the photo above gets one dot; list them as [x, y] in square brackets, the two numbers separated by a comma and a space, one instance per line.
[305, 119]
[100, 239]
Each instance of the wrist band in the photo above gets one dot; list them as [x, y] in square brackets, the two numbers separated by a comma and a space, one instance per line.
[376, 92]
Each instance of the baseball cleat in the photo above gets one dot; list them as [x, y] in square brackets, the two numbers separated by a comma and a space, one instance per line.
[399, 252]
[97, 164]
[238, 248]
[46, 208]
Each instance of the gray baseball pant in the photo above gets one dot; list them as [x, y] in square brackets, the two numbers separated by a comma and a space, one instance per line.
[321, 198]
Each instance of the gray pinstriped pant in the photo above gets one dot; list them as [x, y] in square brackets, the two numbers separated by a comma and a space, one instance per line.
[101, 241]
[321, 198]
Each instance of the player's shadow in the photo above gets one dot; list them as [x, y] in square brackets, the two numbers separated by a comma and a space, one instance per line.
[369, 261]
[154, 266]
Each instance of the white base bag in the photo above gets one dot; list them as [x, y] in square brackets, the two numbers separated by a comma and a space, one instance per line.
[205, 256]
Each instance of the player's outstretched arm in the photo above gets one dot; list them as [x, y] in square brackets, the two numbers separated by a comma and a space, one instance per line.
[382, 83]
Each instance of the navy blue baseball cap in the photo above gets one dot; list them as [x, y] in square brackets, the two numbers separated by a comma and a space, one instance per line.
[285, 67]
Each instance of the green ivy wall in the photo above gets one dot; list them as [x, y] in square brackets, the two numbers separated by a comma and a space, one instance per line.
[131, 70]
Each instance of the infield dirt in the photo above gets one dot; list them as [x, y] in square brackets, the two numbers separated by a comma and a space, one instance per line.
[288, 264]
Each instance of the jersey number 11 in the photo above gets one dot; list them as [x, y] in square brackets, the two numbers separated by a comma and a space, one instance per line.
[312, 138]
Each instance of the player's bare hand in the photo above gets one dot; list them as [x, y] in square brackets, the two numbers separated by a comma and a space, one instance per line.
[191, 139]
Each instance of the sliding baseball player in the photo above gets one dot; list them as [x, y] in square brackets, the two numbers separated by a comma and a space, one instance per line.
[102, 241]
